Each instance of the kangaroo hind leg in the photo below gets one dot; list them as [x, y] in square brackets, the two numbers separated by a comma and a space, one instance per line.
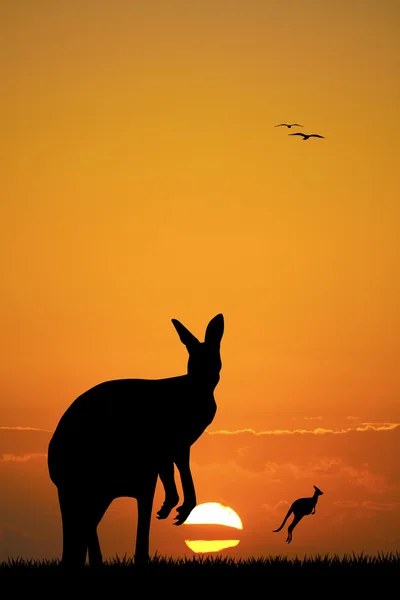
[75, 541]
[96, 514]
[292, 525]
[145, 507]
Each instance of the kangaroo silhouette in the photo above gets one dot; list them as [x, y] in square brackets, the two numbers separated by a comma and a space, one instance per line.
[300, 508]
[116, 438]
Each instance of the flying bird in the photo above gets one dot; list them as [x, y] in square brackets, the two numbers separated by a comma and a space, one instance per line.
[289, 125]
[306, 136]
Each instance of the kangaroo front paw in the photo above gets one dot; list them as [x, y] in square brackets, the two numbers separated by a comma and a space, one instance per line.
[183, 512]
[164, 512]
[180, 519]
[166, 508]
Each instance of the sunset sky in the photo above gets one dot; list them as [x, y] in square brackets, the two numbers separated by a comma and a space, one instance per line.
[143, 179]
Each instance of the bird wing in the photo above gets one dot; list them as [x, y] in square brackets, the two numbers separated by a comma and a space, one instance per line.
[316, 135]
[282, 125]
[298, 133]
[297, 125]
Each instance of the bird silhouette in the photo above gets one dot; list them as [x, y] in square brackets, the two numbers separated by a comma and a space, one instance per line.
[289, 125]
[306, 136]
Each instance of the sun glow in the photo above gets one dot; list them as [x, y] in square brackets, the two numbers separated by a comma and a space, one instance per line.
[210, 545]
[213, 513]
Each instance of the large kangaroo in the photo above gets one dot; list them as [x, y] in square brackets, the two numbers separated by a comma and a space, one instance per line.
[300, 508]
[117, 437]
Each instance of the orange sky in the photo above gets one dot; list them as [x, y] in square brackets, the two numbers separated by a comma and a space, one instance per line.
[143, 180]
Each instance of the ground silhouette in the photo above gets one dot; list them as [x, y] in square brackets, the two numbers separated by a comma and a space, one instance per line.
[116, 439]
[300, 508]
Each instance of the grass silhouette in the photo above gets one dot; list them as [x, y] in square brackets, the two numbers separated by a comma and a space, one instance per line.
[347, 565]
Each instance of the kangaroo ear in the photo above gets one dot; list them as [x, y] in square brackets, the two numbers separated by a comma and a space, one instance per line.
[185, 336]
[215, 331]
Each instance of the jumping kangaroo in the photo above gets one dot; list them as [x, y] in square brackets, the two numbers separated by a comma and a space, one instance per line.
[300, 508]
[117, 437]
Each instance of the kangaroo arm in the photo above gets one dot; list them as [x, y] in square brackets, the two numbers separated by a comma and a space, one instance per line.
[182, 461]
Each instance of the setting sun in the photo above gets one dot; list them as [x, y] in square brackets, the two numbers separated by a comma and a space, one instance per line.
[204, 546]
[213, 513]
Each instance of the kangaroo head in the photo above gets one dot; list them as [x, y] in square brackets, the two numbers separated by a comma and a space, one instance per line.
[317, 491]
[204, 362]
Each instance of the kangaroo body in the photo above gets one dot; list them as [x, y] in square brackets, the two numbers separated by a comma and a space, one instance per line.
[300, 508]
[116, 439]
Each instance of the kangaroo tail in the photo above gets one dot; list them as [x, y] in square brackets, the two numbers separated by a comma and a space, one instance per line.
[284, 521]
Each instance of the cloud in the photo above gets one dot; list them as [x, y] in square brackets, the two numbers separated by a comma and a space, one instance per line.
[22, 428]
[23, 458]
[317, 431]
[317, 418]
[346, 503]
[365, 478]
[23, 442]
[327, 470]
[378, 427]
[282, 505]
[368, 505]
